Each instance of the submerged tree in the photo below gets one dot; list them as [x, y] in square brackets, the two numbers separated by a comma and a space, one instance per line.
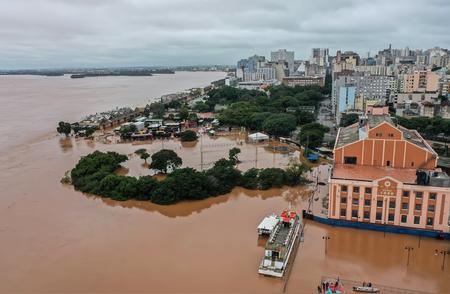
[144, 156]
[127, 131]
[64, 128]
[140, 151]
[233, 153]
[165, 159]
[188, 136]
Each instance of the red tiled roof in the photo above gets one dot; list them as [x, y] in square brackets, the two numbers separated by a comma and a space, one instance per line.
[370, 173]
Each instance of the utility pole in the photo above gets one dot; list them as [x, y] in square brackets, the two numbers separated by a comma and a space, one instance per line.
[307, 145]
[256, 155]
[201, 151]
[409, 248]
[326, 238]
[444, 253]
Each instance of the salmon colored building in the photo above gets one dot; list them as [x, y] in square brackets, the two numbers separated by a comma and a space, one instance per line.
[386, 174]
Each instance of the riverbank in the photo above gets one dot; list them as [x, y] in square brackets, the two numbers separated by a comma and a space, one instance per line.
[33, 105]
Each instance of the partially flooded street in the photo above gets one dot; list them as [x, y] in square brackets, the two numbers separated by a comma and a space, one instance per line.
[55, 239]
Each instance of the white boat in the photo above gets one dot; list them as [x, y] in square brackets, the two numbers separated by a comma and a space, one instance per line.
[280, 245]
[365, 289]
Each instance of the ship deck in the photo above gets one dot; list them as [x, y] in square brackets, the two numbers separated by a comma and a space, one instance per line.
[280, 235]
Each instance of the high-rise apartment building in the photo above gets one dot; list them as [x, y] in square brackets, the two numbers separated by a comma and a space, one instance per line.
[361, 87]
[283, 56]
[319, 56]
[421, 81]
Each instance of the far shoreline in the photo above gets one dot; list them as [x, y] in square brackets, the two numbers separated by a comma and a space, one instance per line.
[14, 144]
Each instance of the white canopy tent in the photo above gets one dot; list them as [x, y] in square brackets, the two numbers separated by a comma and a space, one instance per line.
[256, 137]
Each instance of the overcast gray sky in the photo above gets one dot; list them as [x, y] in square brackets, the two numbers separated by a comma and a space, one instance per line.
[58, 33]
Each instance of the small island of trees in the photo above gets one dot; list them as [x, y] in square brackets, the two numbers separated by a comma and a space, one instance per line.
[95, 174]
[188, 136]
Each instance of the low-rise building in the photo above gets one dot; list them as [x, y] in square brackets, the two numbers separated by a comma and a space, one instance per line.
[417, 97]
[428, 109]
[253, 85]
[293, 81]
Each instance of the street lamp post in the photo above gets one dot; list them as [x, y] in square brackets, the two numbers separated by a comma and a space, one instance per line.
[444, 253]
[326, 238]
[409, 248]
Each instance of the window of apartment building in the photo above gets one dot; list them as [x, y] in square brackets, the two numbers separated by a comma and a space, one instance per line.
[392, 204]
[350, 160]
[355, 201]
[404, 218]
[419, 194]
[379, 203]
[431, 208]
[344, 200]
[412, 163]
[343, 212]
[368, 190]
[432, 196]
[378, 216]
[366, 202]
[391, 135]
[405, 205]
[405, 194]
[417, 220]
[391, 217]
[354, 213]
[418, 206]
[367, 214]
[430, 221]
[388, 163]
[355, 189]
[343, 188]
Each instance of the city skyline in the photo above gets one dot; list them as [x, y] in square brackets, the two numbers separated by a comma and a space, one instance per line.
[138, 33]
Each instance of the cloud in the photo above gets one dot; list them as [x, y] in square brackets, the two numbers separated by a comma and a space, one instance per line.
[59, 33]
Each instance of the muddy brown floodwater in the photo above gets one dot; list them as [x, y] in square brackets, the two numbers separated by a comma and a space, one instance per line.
[55, 239]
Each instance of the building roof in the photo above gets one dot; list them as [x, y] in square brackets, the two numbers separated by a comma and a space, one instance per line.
[347, 135]
[370, 173]
[269, 223]
[375, 120]
[350, 134]
[413, 137]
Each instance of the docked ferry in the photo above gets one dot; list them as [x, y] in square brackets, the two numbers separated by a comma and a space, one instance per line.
[280, 244]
